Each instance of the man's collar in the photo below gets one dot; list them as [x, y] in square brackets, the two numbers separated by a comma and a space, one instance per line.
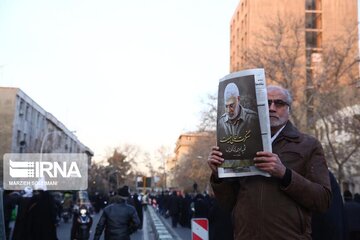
[277, 133]
[290, 132]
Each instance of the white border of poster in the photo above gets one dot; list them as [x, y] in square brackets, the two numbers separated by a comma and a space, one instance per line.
[239, 158]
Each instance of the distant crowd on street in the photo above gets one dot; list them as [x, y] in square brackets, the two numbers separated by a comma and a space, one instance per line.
[300, 198]
[37, 212]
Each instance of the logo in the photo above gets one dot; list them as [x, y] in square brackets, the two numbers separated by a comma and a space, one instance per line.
[48, 171]
[40, 169]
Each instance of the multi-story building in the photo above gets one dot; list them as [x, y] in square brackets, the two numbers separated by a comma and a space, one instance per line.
[184, 145]
[323, 22]
[309, 46]
[312, 48]
[25, 127]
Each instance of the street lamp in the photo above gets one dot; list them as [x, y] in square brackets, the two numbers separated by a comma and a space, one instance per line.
[45, 138]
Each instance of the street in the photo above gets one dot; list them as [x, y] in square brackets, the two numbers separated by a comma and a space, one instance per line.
[63, 230]
[146, 233]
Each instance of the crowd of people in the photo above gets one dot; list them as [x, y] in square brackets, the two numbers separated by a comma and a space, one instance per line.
[37, 215]
[179, 206]
[299, 200]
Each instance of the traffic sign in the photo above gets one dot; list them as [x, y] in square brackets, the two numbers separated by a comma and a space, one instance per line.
[199, 229]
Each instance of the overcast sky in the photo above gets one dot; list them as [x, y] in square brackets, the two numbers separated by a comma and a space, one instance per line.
[121, 71]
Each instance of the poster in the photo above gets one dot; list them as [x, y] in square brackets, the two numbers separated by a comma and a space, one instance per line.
[243, 126]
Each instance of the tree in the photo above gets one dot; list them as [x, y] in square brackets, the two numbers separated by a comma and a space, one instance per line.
[281, 56]
[117, 170]
[97, 179]
[208, 117]
[192, 167]
[122, 165]
[340, 135]
[320, 89]
[163, 154]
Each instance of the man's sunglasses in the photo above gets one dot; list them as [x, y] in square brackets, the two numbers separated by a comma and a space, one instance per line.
[277, 102]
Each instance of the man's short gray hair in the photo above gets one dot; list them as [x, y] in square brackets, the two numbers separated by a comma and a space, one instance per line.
[285, 92]
[231, 90]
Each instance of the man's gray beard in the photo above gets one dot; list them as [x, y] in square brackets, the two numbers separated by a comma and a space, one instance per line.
[236, 114]
[278, 123]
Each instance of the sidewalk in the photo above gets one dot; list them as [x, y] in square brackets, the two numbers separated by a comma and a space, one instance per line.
[179, 233]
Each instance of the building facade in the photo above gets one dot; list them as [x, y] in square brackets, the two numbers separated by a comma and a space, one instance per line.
[310, 47]
[184, 145]
[323, 21]
[25, 127]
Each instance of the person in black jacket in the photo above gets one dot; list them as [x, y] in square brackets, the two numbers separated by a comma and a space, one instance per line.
[174, 208]
[330, 225]
[352, 213]
[119, 219]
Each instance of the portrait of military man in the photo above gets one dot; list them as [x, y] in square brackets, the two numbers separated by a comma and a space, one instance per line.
[238, 127]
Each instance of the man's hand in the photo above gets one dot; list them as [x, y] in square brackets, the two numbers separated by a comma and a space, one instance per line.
[270, 163]
[215, 159]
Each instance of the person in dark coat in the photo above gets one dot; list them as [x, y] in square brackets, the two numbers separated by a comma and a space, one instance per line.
[220, 225]
[352, 214]
[21, 221]
[11, 199]
[38, 218]
[278, 207]
[119, 219]
[185, 216]
[201, 206]
[330, 225]
[160, 201]
[174, 208]
[357, 197]
[138, 207]
[167, 196]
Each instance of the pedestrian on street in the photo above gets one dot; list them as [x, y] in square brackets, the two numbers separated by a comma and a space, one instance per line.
[174, 208]
[138, 207]
[119, 219]
[280, 206]
[330, 225]
[352, 215]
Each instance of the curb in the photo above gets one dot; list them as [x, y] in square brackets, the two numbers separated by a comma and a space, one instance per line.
[159, 228]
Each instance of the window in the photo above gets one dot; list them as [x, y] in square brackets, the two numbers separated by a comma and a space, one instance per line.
[313, 4]
[313, 20]
[18, 137]
[21, 108]
[313, 39]
[245, 39]
[27, 112]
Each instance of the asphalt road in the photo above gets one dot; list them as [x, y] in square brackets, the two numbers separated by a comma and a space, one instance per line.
[63, 230]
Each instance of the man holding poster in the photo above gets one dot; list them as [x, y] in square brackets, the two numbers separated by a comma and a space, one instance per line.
[278, 207]
[238, 126]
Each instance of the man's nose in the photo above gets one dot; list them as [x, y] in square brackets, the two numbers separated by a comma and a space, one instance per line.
[272, 107]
